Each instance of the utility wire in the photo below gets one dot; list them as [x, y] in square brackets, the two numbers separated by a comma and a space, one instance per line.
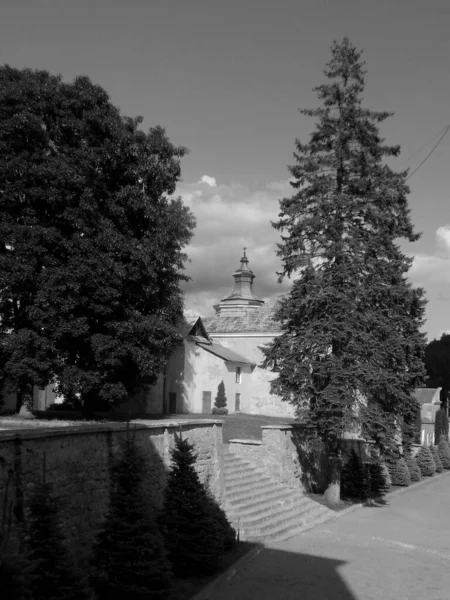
[430, 153]
[423, 147]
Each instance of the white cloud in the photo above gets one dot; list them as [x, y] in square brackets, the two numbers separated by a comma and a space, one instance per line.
[208, 180]
[230, 217]
[443, 237]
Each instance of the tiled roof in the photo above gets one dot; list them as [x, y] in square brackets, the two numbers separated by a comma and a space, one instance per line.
[225, 353]
[259, 320]
[426, 395]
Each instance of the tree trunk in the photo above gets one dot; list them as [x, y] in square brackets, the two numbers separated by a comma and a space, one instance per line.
[333, 491]
[19, 400]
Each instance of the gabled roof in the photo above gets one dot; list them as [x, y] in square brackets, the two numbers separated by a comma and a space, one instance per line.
[259, 320]
[225, 353]
[427, 395]
[194, 327]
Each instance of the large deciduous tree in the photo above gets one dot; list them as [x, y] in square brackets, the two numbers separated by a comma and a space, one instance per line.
[351, 347]
[91, 240]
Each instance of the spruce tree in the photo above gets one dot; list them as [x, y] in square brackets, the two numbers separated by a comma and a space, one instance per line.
[196, 537]
[220, 402]
[55, 577]
[130, 560]
[444, 452]
[413, 468]
[440, 425]
[426, 462]
[399, 472]
[351, 349]
[437, 459]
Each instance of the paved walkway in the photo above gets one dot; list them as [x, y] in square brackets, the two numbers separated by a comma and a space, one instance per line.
[397, 552]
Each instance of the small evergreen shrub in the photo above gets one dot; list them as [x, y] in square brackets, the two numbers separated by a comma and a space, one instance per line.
[437, 459]
[440, 424]
[380, 480]
[220, 402]
[426, 462]
[195, 528]
[399, 472]
[130, 560]
[413, 468]
[355, 482]
[56, 577]
[444, 452]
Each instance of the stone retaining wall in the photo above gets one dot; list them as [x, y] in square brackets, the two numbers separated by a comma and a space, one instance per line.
[284, 454]
[78, 462]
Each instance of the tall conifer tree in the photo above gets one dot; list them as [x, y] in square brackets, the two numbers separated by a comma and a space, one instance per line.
[351, 348]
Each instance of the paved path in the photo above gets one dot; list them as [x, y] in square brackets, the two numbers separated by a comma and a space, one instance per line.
[397, 552]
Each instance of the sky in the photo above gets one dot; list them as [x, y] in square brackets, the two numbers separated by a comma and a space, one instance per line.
[226, 80]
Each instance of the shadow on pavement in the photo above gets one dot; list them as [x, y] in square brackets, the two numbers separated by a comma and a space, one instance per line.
[280, 575]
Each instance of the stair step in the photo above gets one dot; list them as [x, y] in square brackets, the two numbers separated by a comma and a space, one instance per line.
[255, 491]
[280, 496]
[287, 535]
[256, 517]
[253, 484]
[280, 522]
[247, 475]
[282, 529]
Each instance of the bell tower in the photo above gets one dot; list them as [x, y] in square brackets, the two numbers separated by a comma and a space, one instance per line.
[242, 300]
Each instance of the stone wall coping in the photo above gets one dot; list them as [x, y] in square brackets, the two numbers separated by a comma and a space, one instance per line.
[41, 431]
[246, 442]
[281, 427]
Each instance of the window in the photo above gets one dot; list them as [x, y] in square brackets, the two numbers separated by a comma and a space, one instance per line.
[237, 403]
[238, 374]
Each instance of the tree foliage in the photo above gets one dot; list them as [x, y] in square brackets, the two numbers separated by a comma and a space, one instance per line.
[220, 402]
[195, 528]
[351, 319]
[437, 459]
[91, 240]
[413, 468]
[355, 478]
[426, 462]
[130, 559]
[399, 473]
[444, 452]
[437, 363]
[55, 577]
[440, 424]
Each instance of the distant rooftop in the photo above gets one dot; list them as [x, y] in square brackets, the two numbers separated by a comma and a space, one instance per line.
[260, 320]
[427, 395]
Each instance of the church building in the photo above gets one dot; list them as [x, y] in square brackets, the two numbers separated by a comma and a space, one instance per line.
[228, 348]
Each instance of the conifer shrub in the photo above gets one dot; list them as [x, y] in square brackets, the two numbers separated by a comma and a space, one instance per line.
[437, 459]
[220, 402]
[55, 577]
[129, 558]
[413, 468]
[380, 481]
[444, 452]
[355, 479]
[426, 462]
[196, 530]
[399, 472]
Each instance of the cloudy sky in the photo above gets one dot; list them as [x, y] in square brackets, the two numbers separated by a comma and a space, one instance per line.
[226, 80]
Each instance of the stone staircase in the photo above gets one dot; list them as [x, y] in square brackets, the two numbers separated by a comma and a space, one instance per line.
[264, 510]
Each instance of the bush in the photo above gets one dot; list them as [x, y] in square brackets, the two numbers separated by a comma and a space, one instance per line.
[380, 480]
[355, 479]
[399, 472]
[413, 468]
[219, 411]
[130, 560]
[196, 530]
[426, 462]
[440, 424]
[437, 459]
[56, 577]
[444, 452]
[220, 401]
